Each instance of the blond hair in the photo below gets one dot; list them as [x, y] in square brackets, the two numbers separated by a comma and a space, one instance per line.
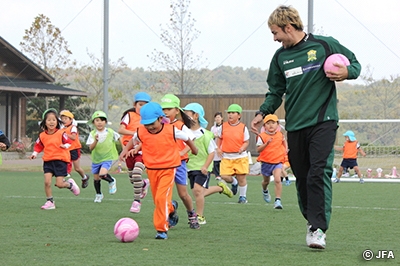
[284, 15]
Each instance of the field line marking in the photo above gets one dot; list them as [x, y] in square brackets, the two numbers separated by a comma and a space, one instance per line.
[207, 202]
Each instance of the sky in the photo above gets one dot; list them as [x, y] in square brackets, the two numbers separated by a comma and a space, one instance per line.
[233, 32]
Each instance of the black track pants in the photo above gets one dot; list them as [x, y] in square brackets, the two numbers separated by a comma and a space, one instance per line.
[311, 157]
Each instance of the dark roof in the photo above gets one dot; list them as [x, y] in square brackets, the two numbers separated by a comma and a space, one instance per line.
[17, 62]
[36, 88]
[19, 74]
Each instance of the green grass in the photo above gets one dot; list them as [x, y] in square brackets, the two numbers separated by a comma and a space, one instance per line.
[80, 232]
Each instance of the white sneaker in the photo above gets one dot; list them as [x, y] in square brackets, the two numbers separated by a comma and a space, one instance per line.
[278, 205]
[267, 197]
[112, 186]
[98, 198]
[308, 235]
[317, 239]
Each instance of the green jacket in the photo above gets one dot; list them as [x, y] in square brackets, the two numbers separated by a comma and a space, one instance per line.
[297, 74]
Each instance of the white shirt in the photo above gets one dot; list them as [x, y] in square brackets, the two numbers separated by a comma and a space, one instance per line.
[102, 136]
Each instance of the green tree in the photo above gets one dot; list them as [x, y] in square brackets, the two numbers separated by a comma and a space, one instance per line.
[45, 45]
[181, 70]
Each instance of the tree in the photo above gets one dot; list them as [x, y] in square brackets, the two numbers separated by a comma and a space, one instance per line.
[89, 78]
[181, 69]
[47, 48]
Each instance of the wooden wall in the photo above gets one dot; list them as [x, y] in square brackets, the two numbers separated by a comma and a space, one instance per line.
[250, 103]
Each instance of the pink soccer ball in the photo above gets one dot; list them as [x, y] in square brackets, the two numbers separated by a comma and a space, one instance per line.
[335, 58]
[126, 229]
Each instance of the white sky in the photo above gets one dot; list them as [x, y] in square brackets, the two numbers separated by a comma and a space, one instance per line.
[233, 32]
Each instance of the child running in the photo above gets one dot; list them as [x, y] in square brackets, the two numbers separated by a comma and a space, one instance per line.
[157, 139]
[129, 123]
[272, 146]
[71, 130]
[218, 120]
[351, 148]
[101, 142]
[232, 142]
[172, 110]
[200, 166]
[55, 146]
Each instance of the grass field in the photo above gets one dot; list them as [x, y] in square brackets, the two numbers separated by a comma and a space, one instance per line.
[80, 232]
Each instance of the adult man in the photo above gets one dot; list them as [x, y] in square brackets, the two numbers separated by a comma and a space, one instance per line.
[296, 71]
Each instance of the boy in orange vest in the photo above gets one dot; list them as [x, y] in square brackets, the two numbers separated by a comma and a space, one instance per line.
[351, 148]
[157, 140]
[75, 150]
[272, 146]
[232, 142]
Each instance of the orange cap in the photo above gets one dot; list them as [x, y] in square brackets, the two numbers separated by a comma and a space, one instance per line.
[67, 114]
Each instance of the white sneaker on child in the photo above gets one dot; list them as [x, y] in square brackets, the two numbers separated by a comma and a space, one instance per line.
[98, 198]
[112, 186]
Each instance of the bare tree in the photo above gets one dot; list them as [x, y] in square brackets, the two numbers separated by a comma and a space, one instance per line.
[46, 47]
[89, 78]
[179, 69]
[383, 95]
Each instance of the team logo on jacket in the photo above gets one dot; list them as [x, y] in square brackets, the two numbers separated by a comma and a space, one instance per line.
[312, 55]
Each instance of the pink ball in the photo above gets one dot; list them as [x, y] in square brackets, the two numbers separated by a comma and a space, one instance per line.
[126, 230]
[335, 58]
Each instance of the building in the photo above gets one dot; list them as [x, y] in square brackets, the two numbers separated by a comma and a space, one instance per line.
[20, 80]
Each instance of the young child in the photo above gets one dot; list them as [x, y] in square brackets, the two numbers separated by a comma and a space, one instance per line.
[232, 142]
[4, 144]
[172, 110]
[130, 121]
[101, 142]
[351, 148]
[157, 139]
[55, 146]
[272, 146]
[218, 120]
[71, 130]
[200, 166]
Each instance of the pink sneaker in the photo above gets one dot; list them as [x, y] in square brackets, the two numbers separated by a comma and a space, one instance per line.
[74, 189]
[48, 206]
[136, 206]
[146, 184]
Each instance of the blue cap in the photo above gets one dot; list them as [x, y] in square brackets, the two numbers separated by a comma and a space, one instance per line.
[351, 135]
[150, 112]
[142, 97]
[198, 109]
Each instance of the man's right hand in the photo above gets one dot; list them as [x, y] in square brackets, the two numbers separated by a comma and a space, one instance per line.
[256, 123]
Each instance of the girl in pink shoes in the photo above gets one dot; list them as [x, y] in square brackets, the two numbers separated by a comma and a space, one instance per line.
[55, 146]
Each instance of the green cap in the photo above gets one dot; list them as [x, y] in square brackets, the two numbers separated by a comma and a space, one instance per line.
[170, 101]
[234, 108]
[97, 114]
[50, 110]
